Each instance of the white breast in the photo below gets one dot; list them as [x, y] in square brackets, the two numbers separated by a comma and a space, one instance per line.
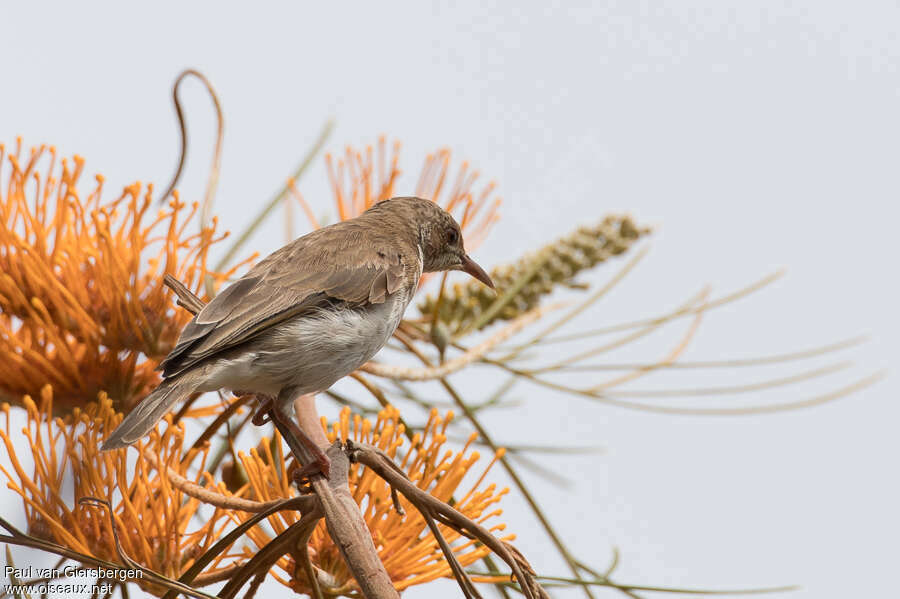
[311, 351]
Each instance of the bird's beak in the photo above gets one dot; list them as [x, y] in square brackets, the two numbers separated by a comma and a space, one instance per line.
[469, 266]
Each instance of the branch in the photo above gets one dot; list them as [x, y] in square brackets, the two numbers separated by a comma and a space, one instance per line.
[431, 507]
[194, 572]
[343, 519]
[266, 557]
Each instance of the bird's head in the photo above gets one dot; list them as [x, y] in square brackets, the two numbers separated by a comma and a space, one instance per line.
[439, 237]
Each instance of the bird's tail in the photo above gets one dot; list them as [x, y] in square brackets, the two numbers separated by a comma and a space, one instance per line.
[146, 414]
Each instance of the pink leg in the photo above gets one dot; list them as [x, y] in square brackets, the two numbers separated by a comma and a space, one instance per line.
[281, 411]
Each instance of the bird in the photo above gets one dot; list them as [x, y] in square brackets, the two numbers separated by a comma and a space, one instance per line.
[309, 314]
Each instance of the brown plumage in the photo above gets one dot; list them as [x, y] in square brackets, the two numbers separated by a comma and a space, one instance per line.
[310, 313]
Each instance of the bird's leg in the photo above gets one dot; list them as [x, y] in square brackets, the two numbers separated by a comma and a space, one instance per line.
[281, 412]
[309, 421]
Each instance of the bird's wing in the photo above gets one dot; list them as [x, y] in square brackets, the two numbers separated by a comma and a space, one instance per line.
[305, 274]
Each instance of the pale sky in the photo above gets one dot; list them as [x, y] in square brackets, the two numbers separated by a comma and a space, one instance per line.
[753, 136]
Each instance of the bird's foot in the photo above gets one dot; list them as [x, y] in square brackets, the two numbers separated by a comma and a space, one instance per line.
[263, 410]
[321, 465]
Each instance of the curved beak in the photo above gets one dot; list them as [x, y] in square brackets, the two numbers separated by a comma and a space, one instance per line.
[469, 266]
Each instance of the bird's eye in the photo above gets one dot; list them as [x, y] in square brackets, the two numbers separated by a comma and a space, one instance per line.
[452, 237]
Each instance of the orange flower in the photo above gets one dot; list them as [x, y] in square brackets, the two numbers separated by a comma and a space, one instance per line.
[152, 518]
[363, 178]
[410, 554]
[82, 302]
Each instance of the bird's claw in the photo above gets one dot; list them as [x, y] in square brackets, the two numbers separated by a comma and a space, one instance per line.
[321, 465]
[262, 414]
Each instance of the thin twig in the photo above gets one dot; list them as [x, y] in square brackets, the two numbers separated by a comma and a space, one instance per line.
[156, 577]
[404, 373]
[255, 583]
[205, 495]
[673, 355]
[213, 178]
[226, 447]
[431, 506]
[594, 297]
[208, 578]
[465, 583]
[186, 298]
[728, 363]
[716, 303]
[303, 503]
[742, 411]
[680, 591]
[731, 389]
[221, 419]
[11, 568]
[263, 559]
[690, 306]
[306, 563]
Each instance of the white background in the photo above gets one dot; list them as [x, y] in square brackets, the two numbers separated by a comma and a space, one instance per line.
[754, 136]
